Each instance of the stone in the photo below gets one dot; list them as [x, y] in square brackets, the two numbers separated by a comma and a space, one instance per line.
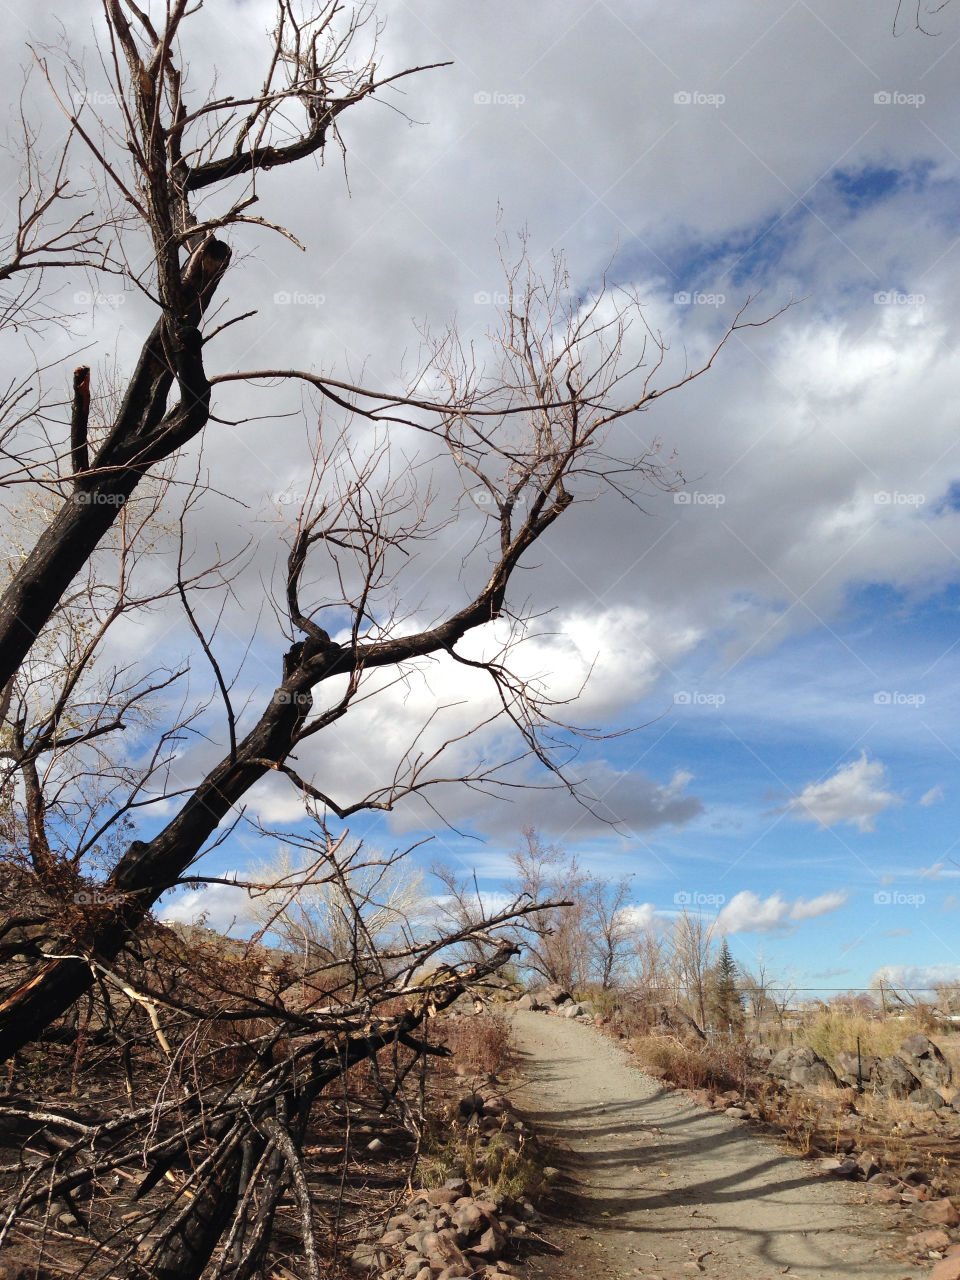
[936, 1238]
[572, 1010]
[529, 1001]
[946, 1269]
[925, 1060]
[802, 1065]
[489, 1245]
[893, 1079]
[847, 1067]
[940, 1213]
[926, 1097]
[736, 1113]
[368, 1257]
[468, 1220]
[868, 1165]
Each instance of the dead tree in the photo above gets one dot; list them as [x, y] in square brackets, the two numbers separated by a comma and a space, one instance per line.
[520, 438]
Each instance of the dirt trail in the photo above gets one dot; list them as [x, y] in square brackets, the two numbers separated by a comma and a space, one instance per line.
[658, 1187]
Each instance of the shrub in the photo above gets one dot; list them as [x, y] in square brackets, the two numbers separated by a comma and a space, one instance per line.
[478, 1043]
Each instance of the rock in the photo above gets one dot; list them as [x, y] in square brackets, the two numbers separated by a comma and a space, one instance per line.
[391, 1238]
[802, 1065]
[947, 1269]
[736, 1113]
[869, 1166]
[529, 1001]
[550, 1174]
[374, 1146]
[680, 1023]
[936, 1238]
[459, 1185]
[470, 1104]
[847, 1067]
[553, 993]
[836, 1168]
[413, 1267]
[940, 1213]
[468, 1220]
[368, 1257]
[925, 1060]
[893, 1079]
[489, 1245]
[572, 1010]
[926, 1097]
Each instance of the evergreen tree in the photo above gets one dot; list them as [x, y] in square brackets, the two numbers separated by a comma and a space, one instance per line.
[723, 999]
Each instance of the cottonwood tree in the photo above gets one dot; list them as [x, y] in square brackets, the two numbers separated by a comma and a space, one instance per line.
[519, 438]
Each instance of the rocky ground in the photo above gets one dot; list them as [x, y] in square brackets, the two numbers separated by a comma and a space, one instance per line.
[657, 1186]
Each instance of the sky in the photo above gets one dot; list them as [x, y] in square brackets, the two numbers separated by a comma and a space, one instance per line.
[781, 635]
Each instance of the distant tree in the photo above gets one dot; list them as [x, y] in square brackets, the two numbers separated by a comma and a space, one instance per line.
[724, 1003]
[690, 960]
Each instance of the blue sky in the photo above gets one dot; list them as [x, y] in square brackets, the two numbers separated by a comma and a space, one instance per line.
[785, 630]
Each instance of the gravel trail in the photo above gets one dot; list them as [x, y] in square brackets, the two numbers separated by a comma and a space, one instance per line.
[655, 1186]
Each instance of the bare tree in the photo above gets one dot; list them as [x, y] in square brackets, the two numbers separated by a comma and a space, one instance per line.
[519, 438]
[691, 959]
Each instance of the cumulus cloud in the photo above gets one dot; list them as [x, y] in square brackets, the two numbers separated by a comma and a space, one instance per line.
[921, 980]
[855, 794]
[222, 907]
[746, 912]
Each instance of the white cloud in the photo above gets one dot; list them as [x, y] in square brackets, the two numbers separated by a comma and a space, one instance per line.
[748, 913]
[932, 796]
[854, 794]
[222, 906]
[921, 980]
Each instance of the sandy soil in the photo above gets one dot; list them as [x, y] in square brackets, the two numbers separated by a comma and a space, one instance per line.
[655, 1186]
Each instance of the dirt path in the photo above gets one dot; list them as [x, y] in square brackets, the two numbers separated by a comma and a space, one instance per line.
[658, 1187]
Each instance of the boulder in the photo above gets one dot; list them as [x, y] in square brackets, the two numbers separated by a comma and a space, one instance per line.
[893, 1079]
[925, 1060]
[571, 1010]
[553, 993]
[803, 1066]
[680, 1023]
[847, 1067]
[925, 1097]
[529, 1001]
[940, 1213]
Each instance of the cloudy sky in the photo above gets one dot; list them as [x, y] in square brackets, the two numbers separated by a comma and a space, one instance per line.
[783, 632]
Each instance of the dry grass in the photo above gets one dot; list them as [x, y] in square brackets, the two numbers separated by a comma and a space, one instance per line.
[719, 1065]
[501, 1161]
[478, 1043]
